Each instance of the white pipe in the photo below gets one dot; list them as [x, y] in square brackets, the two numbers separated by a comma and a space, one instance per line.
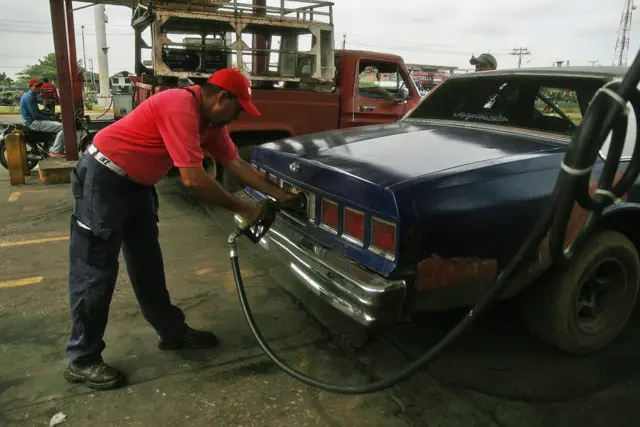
[103, 61]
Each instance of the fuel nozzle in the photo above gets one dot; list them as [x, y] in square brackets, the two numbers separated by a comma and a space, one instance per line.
[297, 204]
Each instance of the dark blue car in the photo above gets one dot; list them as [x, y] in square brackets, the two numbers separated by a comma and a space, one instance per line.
[422, 214]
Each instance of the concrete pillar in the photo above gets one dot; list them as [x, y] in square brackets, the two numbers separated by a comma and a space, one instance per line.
[103, 63]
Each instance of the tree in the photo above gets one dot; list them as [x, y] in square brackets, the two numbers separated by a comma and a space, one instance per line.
[45, 68]
[4, 80]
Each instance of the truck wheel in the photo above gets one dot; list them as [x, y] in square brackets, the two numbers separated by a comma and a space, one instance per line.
[226, 179]
[585, 304]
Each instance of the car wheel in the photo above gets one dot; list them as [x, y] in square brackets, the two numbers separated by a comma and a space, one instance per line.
[586, 303]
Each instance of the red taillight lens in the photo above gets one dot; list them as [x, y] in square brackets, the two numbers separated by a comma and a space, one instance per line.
[383, 237]
[353, 224]
[329, 216]
[262, 172]
[273, 178]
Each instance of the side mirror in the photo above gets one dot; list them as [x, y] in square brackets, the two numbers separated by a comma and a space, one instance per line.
[403, 96]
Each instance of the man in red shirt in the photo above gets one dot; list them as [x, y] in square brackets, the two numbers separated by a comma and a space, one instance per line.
[116, 205]
[49, 95]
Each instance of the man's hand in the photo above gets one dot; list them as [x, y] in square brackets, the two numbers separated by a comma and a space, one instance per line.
[249, 176]
[295, 203]
[252, 214]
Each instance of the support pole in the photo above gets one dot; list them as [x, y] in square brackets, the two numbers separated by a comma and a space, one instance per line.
[137, 48]
[76, 78]
[58, 24]
[259, 60]
[103, 61]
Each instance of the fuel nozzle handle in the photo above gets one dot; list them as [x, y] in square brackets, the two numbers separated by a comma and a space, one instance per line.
[268, 210]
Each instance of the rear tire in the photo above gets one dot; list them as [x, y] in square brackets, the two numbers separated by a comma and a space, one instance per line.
[584, 305]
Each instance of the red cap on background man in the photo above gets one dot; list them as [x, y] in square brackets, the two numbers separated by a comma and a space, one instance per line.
[234, 82]
[34, 82]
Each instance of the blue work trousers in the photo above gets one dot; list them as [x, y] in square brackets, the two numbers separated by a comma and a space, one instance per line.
[111, 211]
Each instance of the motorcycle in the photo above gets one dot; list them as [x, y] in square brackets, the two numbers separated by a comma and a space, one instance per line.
[39, 143]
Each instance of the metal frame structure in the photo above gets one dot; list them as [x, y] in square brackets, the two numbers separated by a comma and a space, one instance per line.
[225, 17]
[69, 80]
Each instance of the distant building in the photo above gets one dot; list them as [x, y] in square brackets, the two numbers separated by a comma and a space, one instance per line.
[428, 76]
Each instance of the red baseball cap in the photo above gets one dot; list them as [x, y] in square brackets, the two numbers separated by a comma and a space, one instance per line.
[234, 82]
[34, 82]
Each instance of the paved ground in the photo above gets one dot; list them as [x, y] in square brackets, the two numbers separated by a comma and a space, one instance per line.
[497, 375]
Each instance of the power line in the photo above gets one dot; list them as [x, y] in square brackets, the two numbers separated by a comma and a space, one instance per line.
[519, 51]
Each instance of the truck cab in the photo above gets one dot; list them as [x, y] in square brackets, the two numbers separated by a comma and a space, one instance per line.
[300, 84]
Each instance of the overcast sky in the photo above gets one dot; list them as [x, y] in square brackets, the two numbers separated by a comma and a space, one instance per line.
[442, 32]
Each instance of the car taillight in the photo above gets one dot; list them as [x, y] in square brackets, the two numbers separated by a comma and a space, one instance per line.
[329, 215]
[353, 226]
[273, 178]
[383, 238]
[262, 172]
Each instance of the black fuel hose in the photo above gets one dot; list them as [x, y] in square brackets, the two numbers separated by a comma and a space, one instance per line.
[606, 113]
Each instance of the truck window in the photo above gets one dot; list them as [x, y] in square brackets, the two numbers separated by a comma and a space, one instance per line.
[381, 80]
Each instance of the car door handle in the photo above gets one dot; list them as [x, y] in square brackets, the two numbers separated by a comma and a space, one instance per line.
[367, 108]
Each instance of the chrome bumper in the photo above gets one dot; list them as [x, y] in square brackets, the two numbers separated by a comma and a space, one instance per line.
[360, 294]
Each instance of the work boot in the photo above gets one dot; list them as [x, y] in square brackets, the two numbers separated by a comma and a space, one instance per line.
[192, 339]
[99, 375]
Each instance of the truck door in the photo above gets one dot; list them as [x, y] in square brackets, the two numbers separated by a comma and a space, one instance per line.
[380, 91]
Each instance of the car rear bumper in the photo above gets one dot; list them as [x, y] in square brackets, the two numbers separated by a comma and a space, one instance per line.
[360, 294]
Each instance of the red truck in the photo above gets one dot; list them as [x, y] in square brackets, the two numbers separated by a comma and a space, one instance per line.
[369, 88]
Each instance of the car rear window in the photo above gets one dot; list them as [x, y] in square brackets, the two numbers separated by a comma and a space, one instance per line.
[541, 103]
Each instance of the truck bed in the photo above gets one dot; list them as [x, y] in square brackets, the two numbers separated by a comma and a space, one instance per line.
[286, 111]
[295, 112]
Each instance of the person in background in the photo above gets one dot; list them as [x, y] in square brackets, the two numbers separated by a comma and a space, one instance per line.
[49, 95]
[40, 120]
[484, 62]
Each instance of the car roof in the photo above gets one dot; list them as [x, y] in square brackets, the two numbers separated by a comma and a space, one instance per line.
[578, 71]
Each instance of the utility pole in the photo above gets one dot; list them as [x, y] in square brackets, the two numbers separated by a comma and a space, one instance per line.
[84, 58]
[519, 51]
[103, 62]
[622, 43]
[344, 41]
[594, 63]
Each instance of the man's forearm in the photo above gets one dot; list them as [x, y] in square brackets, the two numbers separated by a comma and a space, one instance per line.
[211, 191]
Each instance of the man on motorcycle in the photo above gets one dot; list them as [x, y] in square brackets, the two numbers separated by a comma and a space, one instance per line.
[40, 120]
